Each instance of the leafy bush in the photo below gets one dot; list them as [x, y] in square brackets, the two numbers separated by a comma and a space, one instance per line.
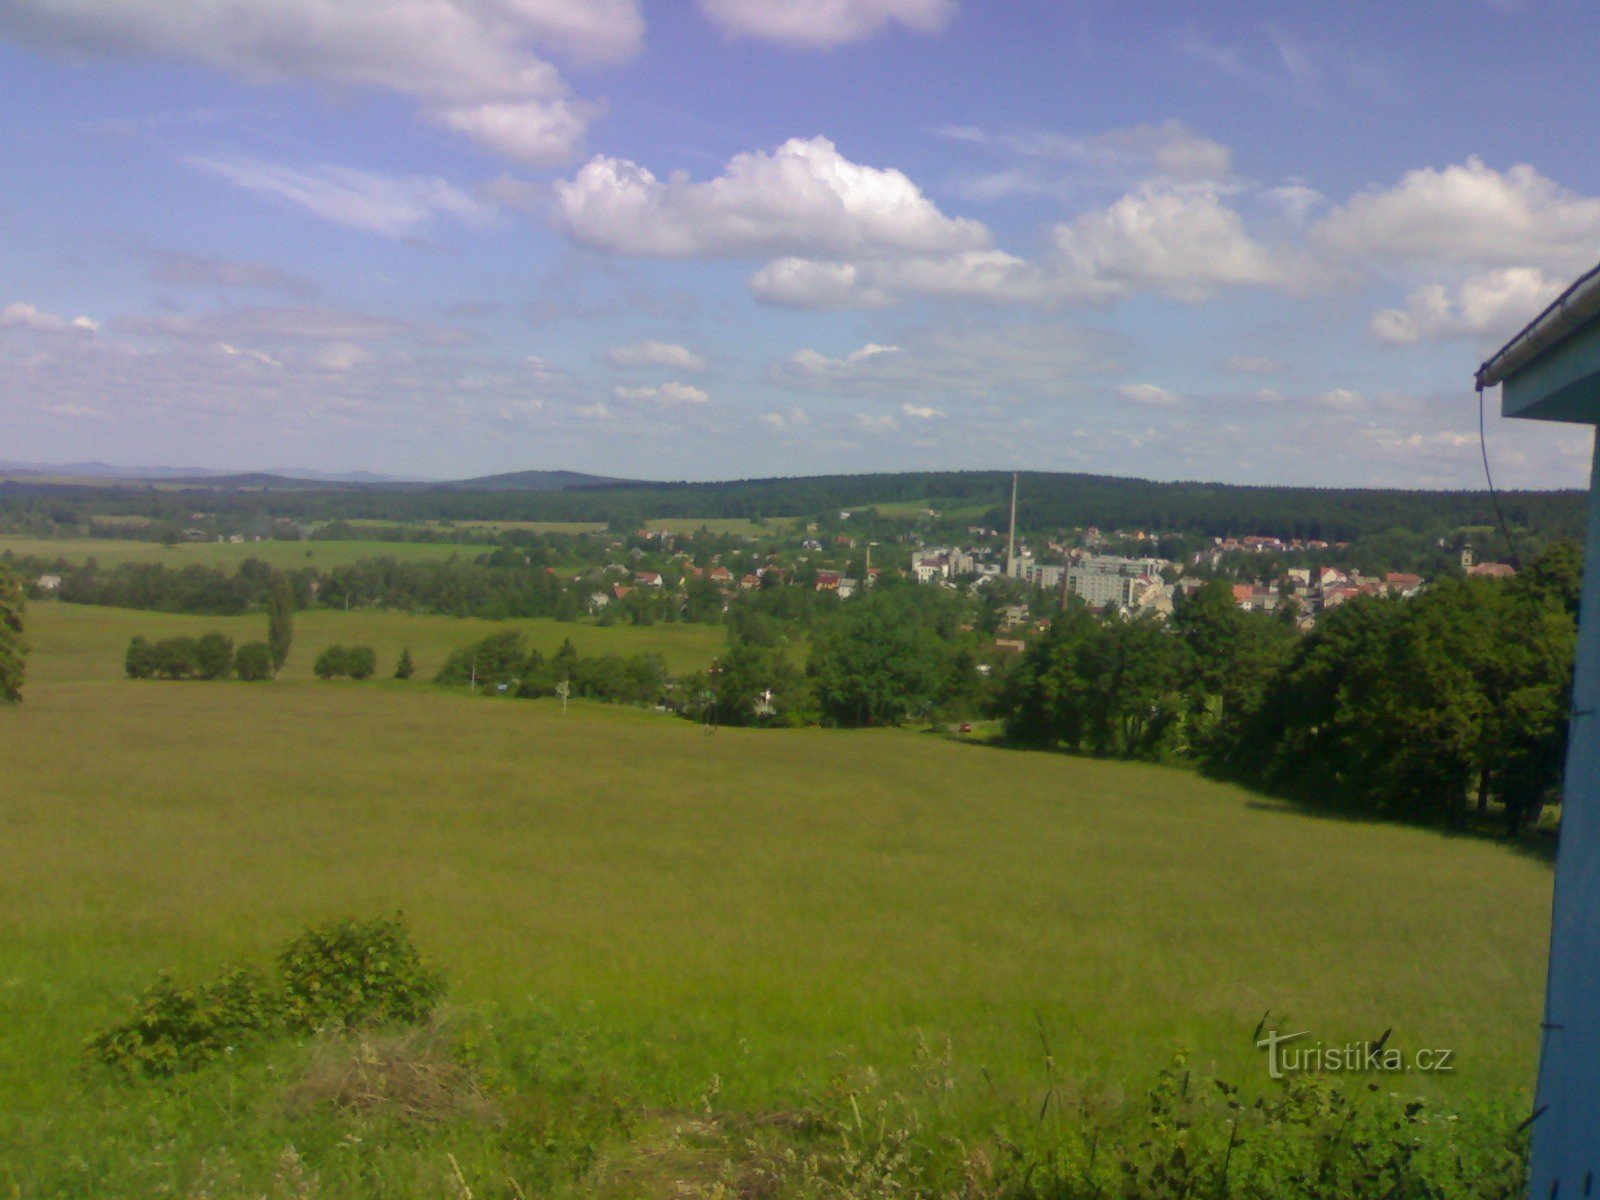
[361, 662]
[354, 973]
[176, 1028]
[213, 656]
[330, 663]
[345, 973]
[253, 662]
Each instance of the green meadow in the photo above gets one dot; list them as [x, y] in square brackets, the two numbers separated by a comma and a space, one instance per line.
[672, 915]
[111, 552]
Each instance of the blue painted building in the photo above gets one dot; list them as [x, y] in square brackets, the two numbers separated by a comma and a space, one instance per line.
[1551, 372]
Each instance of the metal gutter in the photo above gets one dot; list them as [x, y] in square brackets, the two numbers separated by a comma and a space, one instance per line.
[1574, 307]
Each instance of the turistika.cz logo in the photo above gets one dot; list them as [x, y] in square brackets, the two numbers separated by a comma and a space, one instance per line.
[1289, 1053]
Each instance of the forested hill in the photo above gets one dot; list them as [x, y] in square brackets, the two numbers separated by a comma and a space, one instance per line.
[1048, 501]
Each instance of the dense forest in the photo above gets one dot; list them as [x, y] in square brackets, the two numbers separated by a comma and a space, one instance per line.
[1047, 501]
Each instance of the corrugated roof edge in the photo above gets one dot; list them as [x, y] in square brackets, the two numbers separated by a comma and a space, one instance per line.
[1569, 310]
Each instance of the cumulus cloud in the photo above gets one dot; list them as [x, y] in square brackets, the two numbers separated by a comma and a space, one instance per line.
[823, 23]
[674, 393]
[391, 205]
[471, 63]
[1184, 242]
[804, 198]
[21, 315]
[921, 412]
[1467, 215]
[1179, 240]
[1495, 304]
[1149, 395]
[656, 354]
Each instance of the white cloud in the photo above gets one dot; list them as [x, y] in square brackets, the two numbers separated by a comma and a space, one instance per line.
[656, 354]
[468, 62]
[786, 420]
[822, 23]
[804, 198]
[1149, 395]
[922, 412]
[1466, 215]
[1341, 400]
[341, 356]
[665, 394]
[1181, 241]
[21, 315]
[195, 270]
[391, 205]
[1494, 304]
[531, 131]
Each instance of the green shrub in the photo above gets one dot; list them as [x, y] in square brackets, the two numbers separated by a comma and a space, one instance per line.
[176, 1028]
[331, 663]
[354, 973]
[358, 662]
[253, 662]
[214, 656]
[361, 662]
[140, 662]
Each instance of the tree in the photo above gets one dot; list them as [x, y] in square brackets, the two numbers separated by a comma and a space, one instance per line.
[253, 662]
[214, 656]
[13, 647]
[332, 663]
[280, 620]
[876, 666]
[140, 662]
[177, 658]
[406, 668]
[361, 662]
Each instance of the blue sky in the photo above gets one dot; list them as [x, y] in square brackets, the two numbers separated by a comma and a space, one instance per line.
[1254, 242]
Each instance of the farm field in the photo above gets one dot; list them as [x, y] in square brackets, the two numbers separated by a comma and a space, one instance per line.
[111, 552]
[762, 909]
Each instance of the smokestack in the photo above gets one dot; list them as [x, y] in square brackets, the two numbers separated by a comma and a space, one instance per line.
[1011, 538]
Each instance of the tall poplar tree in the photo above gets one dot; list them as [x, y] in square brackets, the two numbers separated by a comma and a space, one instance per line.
[280, 620]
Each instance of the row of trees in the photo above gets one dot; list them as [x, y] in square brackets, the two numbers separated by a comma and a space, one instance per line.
[210, 656]
[340, 661]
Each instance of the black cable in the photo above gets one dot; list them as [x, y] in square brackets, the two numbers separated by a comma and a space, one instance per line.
[1494, 496]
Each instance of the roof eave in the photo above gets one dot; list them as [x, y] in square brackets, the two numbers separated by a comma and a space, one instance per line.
[1571, 310]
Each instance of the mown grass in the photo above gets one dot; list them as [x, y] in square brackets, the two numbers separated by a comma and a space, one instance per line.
[626, 899]
[110, 552]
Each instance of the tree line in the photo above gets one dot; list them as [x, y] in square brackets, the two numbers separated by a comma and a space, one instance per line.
[1431, 709]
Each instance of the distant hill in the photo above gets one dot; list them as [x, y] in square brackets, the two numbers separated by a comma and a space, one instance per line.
[532, 481]
[200, 476]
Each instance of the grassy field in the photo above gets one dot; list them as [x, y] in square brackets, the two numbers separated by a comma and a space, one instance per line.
[734, 525]
[663, 907]
[110, 552]
[84, 643]
[492, 526]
